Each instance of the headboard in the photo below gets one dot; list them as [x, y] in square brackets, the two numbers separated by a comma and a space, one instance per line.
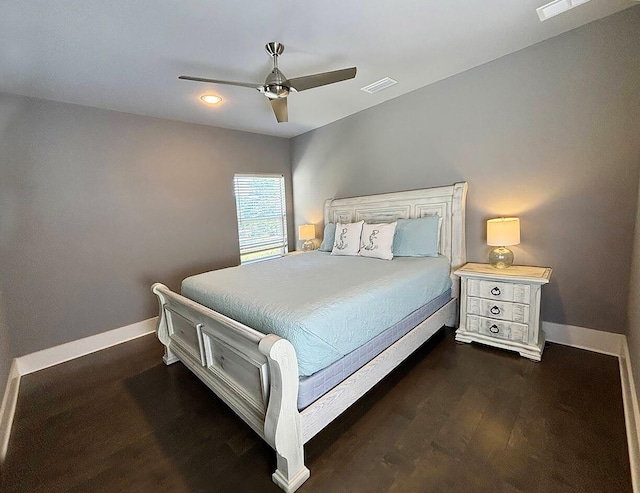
[448, 203]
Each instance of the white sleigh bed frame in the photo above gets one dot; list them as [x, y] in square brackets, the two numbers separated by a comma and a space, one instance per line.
[257, 374]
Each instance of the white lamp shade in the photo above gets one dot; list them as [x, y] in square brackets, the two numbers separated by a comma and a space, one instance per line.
[307, 232]
[503, 231]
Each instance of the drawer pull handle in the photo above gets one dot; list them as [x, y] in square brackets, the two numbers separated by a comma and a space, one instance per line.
[495, 291]
[495, 310]
[494, 329]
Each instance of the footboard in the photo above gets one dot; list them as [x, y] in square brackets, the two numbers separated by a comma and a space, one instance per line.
[253, 373]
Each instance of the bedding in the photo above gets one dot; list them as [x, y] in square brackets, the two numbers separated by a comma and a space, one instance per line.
[315, 386]
[417, 237]
[377, 240]
[328, 237]
[347, 238]
[325, 305]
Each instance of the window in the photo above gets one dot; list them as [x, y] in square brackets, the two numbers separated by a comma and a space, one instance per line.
[262, 216]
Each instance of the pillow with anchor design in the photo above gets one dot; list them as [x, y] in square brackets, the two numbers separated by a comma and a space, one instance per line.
[347, 240]
[377, 240]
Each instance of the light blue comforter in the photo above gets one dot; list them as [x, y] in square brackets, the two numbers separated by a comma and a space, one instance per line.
[325, 305]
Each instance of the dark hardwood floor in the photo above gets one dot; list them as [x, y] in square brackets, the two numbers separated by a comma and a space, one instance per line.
[452, 418]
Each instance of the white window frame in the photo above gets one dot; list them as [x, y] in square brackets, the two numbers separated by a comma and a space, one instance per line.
[269, 248]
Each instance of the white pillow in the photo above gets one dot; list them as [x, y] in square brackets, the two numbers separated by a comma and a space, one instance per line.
[347, 241]
[377, 240]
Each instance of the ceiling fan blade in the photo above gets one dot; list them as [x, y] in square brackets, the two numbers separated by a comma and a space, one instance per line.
[214, 81]
[317, 80]
[279, 107]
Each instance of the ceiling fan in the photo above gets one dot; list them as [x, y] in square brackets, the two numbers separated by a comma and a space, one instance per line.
[277, 87]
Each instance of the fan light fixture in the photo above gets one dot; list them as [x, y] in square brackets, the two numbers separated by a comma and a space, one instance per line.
[211, 99]
[277, 87]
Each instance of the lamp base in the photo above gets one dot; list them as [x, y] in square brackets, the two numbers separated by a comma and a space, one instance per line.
[501, 258]
[308, 245]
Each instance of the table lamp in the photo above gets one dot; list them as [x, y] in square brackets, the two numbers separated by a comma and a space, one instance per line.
[501, 233]
[307, 232]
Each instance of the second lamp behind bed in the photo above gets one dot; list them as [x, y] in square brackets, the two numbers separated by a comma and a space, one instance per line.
[307, 233]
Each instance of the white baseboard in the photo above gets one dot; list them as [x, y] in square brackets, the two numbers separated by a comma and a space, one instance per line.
[8, 408]
[597, 341]
[615, 345]
[74, 349]
[632, 414]
[54, 356]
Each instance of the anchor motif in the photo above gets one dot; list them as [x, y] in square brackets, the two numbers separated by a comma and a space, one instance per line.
[373, 236]
[342, 245]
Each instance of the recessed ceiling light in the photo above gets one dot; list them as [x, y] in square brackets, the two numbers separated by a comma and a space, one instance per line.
[557, 7]
[211, 99]
[379, 85]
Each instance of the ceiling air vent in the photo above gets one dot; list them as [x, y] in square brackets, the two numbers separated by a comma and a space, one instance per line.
[379, 85]
[557, 7]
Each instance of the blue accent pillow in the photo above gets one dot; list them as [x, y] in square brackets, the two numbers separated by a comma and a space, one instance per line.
[328, 238]
[417, 237]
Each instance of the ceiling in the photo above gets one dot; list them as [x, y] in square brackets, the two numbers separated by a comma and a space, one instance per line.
[126, 55]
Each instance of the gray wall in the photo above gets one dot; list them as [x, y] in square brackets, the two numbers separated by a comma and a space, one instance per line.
[549, 134]
[97, 205]
[633, 334]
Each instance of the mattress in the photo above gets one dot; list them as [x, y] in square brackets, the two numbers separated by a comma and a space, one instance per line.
[315, 386]
[325, 305]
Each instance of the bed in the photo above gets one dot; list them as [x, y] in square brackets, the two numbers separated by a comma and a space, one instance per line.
[257, 372]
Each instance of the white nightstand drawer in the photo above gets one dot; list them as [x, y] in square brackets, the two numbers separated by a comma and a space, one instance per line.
[503, 310]
[498, 328]
[496, 290]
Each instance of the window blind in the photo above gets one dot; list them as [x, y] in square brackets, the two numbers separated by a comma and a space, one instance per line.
[262, 216]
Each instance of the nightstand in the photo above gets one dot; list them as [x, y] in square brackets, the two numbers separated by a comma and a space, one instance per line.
[501, 307]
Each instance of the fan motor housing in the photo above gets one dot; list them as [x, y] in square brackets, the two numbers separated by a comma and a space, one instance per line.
[274, 91]
[276, 86]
